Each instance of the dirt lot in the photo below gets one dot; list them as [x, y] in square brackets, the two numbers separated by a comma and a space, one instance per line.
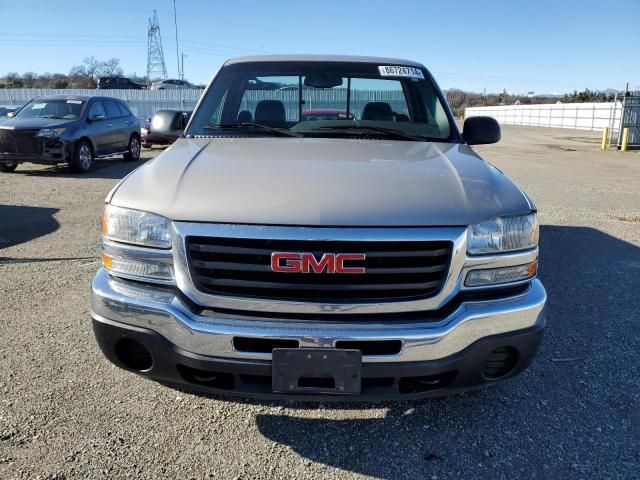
[65, 412]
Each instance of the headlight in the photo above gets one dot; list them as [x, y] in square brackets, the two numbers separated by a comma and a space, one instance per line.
[136, 245]
[157, 123]
[50, 132]
[136, 227]
[503, 235]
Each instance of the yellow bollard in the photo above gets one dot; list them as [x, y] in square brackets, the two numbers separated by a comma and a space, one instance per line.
[605, 137]
[625, 139]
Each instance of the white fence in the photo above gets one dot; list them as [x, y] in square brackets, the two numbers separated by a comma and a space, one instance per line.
[588, 116]
[143, 102]
[583, 116]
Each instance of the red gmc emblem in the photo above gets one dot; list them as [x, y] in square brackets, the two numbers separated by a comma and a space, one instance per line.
[286, 262]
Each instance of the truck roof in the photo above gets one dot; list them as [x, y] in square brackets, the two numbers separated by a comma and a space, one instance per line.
[323, 58]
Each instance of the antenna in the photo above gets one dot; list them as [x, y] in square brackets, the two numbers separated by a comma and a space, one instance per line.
[156, 67]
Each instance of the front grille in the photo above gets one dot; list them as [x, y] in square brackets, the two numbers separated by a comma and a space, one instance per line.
[393, 270]
[20, 141]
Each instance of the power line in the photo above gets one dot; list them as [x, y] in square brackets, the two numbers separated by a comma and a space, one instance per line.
[87, 39]
[90, 35]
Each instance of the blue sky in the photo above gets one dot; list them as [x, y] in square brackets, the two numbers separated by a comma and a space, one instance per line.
[541, 46]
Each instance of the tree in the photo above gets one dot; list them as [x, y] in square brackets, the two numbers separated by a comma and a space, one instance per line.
[91, 67]
[80, 78]
[12, 79]
[59, 80]
[43, 81]
[86, 74]
[30, 79]
[587, 96]
[110, 68]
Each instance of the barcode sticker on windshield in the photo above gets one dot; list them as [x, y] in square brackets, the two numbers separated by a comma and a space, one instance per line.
[76, 102]
[396, 71]
[38, 106]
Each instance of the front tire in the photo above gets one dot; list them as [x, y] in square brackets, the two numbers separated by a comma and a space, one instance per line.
[133, 153]
[8, 167]
[82, 159]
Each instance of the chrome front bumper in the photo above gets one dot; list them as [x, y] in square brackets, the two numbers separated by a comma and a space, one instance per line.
[164, 311]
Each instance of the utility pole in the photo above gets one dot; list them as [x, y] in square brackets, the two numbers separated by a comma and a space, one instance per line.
[175, 21]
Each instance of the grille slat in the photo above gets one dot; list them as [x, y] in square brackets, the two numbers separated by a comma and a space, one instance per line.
[256, 267]
[232, 250]
[393, 269]
[229, 282]
[251, 267]
[268, 251]
[421, 253]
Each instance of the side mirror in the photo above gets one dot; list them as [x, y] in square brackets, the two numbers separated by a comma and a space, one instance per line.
[95, 118]
[10, 114]
[481, 130]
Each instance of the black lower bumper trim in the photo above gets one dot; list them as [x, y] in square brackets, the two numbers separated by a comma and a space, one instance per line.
[50, 154]
[43, 159]
[380, 381]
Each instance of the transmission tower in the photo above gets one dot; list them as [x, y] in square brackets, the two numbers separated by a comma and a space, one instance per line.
[156, 68]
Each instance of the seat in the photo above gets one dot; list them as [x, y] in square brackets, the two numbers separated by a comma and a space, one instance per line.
[377, 111]
[245, 117]
[270, 112]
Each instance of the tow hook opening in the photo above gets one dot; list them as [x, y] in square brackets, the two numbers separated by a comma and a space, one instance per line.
[500, 362]
[219, 380]
[133, 355]
[425, 383]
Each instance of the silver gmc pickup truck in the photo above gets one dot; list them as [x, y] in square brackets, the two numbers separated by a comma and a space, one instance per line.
[321, 231]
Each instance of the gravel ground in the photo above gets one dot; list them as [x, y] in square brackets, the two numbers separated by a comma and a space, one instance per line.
[66, 413]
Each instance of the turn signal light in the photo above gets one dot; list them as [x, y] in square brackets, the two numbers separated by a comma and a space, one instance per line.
[106, 261]
[498, 276]
[135, 269]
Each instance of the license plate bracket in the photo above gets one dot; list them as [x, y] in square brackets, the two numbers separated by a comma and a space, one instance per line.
[316, 371]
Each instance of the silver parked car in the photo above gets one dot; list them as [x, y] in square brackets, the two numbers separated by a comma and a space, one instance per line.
[173, 85]
[366, 255]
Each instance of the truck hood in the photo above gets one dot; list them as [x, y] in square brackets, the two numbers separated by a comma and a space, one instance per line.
[33, 123]
[320, 182]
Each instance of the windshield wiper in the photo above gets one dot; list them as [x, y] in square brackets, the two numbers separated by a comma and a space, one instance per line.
[223, 126]
[387, 131]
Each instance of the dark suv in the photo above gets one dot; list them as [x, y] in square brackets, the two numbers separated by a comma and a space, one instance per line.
[73, 129]
[119, 83]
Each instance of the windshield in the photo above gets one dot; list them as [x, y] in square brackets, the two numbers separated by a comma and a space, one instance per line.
[324, 99]
[62, 109]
